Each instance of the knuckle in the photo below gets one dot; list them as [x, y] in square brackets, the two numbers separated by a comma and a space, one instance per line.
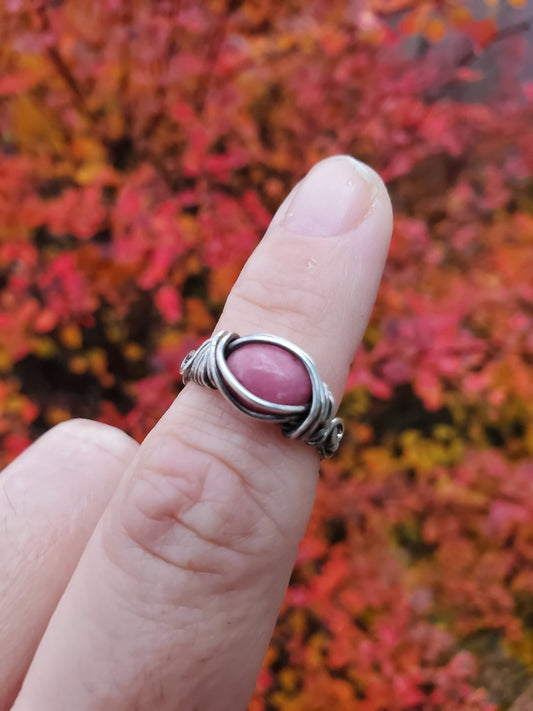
[193, 508]
[301, 303]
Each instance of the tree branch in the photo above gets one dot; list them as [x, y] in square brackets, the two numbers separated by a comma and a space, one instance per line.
[63, 69]
[471, 55]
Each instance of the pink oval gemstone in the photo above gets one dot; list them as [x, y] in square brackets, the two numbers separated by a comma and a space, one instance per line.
[271, 373]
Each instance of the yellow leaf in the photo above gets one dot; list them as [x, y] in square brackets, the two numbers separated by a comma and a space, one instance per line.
[298, 622]
[460, 14]
[98, 361]
[5, 360]
[133, 351]
[89, 172]
[115, 332]
[55, 415]
[78, 365]
[71, 336]
[14, 403]
[43, 347]
[288, 679]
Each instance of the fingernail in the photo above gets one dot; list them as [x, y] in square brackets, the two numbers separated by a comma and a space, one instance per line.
[332, 199]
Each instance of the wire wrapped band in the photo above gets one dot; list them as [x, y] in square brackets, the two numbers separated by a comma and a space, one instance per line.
[314, 422]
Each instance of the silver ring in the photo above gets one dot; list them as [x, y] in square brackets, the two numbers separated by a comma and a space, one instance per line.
[313, 422]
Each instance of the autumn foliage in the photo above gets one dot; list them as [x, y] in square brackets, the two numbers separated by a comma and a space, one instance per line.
[144, 147]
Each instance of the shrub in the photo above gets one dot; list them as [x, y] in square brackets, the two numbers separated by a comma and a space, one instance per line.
[144, 147]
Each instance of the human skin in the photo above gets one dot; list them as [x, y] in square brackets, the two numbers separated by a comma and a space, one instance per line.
[150, 577]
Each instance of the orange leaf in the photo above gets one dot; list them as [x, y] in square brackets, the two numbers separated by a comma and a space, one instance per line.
[435, 30]
[198, 317]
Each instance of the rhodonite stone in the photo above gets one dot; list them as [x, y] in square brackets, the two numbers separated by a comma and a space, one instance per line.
[271, 373]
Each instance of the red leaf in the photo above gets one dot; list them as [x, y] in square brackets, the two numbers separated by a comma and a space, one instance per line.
[480, 31]
[17, 82]
[168, 302]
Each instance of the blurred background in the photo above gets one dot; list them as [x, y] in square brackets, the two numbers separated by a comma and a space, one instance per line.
[144, 147]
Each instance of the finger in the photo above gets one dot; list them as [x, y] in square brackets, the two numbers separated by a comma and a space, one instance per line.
[177, 594]
[50, 500]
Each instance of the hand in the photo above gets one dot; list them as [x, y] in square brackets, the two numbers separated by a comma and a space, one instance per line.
[150, 577]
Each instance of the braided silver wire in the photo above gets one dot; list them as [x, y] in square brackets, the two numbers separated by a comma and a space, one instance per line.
[313, 422]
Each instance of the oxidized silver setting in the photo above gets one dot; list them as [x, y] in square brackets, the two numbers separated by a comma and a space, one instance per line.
[314, 422]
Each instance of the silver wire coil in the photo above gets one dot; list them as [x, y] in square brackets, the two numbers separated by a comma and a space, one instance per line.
[314, 422]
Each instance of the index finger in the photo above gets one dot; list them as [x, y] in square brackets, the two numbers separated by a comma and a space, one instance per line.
[175, 598]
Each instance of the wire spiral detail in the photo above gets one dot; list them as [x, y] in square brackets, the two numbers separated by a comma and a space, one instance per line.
[314, 422]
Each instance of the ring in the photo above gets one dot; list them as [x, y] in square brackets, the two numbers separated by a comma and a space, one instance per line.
[271, 379]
